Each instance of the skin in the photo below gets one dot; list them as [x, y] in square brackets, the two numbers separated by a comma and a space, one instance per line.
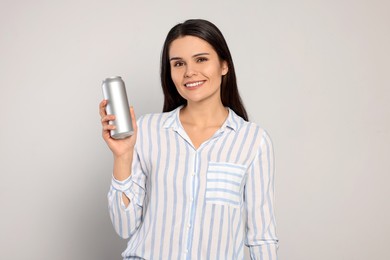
[192, 61]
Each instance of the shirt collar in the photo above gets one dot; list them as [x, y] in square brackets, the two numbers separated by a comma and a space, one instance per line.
[233, 121]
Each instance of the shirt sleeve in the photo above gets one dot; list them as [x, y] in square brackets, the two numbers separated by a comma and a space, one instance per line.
[126, 220]
[259, 202]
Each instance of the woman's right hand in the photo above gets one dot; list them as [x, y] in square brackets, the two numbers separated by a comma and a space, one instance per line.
[120, 148]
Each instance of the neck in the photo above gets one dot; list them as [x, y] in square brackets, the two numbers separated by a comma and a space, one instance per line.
[204, 115]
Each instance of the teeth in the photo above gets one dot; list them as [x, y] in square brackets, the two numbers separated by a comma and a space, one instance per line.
[190, 85]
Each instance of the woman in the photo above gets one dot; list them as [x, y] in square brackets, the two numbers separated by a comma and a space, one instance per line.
[195, 181]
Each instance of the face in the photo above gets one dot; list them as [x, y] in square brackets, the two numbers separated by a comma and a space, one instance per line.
[196, 69]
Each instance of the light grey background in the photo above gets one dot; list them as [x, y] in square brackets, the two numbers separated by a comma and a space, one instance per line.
[315, 74]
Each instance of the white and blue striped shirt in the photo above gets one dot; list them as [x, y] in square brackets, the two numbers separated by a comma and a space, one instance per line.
[204, 203]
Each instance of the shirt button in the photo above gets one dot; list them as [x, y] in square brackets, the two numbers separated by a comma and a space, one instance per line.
[193, 174]
[191, 199]
[189, 226]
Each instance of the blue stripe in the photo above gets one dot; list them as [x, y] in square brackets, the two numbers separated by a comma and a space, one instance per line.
[227, 165]
[174, 197]
[168, 154]
[220, 233]
[185, 200]
[251, 147]
[239, 249]
[147, 155]
[222, 190]
[226, 173]
[169, 118]
[221, 149]
[146, 146]
[118, 202]
[262, 188]
[231, 221]
[128, 219]
[222, 200]
[269, 251]
[270, 176]
[238, 230]
[242, 144]
[225, 181]
[156, 200]
[211, 233]
[231, 147]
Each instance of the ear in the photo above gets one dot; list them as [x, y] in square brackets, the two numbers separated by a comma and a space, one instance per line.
[225, 67]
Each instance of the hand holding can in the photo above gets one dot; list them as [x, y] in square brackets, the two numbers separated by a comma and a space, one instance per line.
[122, 149]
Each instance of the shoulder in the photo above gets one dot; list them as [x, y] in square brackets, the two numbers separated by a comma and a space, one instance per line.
[261, 131]
[257, 133]
[155, 120]
[254, 135]
[250, 129]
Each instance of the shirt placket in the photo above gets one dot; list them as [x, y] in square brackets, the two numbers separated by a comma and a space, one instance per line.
[192, 185]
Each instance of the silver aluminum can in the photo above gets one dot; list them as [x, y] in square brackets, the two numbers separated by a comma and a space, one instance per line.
[114, 91]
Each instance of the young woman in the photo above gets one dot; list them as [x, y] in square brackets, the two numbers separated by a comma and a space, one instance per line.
[196, 181]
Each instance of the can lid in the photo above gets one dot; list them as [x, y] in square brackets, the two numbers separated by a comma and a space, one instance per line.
[114, 77]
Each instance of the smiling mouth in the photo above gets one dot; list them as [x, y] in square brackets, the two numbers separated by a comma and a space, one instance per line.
[194, 84]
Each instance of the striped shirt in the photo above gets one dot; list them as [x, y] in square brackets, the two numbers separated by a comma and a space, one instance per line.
[204, 203]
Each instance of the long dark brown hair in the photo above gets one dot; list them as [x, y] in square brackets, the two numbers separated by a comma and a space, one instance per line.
[210, 33]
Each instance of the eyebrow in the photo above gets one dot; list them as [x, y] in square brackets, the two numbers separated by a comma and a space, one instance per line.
[193, 56]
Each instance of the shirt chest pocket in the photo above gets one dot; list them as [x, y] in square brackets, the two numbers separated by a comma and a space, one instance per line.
[223, 183]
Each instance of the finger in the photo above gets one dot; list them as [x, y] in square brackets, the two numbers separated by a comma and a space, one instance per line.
[133, 118]
[106, 135]
[108, 127]
[106, 131]
[105, 119]
[102, 108]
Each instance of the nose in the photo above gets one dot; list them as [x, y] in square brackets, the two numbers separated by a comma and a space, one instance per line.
[190, 71]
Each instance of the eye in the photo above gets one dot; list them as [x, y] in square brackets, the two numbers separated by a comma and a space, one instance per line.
[178, 64]
[201, 59]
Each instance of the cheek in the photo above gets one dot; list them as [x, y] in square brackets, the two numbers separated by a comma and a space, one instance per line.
[176, 78]
[216, 75]
[215, 70]
[174, 75]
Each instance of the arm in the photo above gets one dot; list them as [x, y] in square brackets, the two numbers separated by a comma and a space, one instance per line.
[259, 198]
[125, 201]
[122, 166]
[127, 191]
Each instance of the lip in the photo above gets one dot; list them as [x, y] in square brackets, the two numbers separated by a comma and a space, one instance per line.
[194, 84]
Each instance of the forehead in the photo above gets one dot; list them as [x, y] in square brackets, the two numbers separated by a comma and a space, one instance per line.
[188, 46]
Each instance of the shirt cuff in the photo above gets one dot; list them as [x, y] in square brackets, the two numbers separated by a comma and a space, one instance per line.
[121, 185]
[132, 190]
[264, 252]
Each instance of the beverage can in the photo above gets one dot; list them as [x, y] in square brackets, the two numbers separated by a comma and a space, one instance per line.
[114, 91]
